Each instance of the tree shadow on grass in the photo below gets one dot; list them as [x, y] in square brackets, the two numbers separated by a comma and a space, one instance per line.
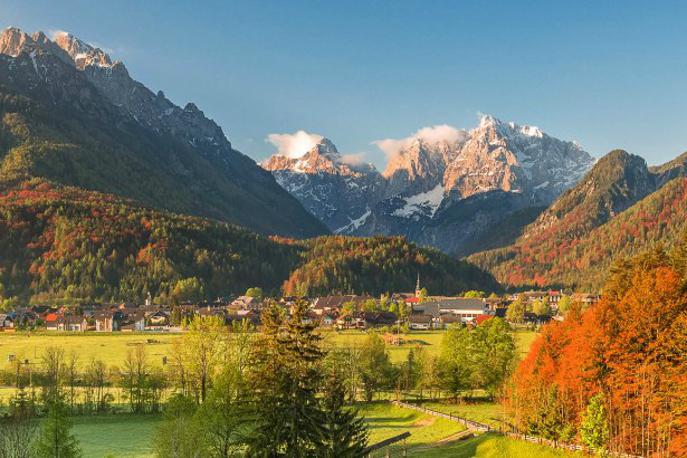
[466, 448]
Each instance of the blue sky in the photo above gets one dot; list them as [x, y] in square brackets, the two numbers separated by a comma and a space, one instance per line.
[607, 74]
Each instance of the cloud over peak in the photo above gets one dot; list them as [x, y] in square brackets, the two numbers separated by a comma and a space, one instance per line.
[294, 145]
[430, 134]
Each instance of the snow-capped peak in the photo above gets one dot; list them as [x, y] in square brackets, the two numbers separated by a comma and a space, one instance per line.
[487, 120]
[81, 52]
[14, 41]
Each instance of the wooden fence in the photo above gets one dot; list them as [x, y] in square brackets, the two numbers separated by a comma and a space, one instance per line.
[481, 427]
[469, 424]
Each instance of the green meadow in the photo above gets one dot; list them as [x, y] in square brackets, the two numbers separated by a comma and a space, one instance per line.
[131, 435]
[113, 347]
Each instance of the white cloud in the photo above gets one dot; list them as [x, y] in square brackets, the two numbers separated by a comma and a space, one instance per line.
[431, 134]
[55, 33]
[353, 159]
[294, 145]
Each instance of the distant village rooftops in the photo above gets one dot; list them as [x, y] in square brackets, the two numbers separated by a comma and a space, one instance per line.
[417, 311]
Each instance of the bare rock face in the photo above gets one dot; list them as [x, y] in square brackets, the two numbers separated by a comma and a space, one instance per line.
[512, 158]
[447, 192]
[83, 54]
[153, 110]
[13, 41]
[421, 166]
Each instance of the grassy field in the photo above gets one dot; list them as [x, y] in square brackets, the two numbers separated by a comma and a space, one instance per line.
[385, 420]
[110, 348]
[489, 413]
[434, 437]
[130, 436]
[124, 436]
[428, 340]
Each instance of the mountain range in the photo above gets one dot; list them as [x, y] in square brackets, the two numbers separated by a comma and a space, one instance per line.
[532, 210]
[78, 132]
[446, 190]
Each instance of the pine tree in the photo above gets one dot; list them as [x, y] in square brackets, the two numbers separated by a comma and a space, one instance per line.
[345, 432]
[55, 439]
[286, 379]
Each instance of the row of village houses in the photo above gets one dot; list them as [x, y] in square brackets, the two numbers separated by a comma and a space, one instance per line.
[342, 312]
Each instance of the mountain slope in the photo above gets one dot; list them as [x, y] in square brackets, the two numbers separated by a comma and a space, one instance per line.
[616, 182]
[71, 115]
[63, 244]
[619, 208]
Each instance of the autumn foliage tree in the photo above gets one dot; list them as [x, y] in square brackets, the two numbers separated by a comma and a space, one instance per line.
[628, 352]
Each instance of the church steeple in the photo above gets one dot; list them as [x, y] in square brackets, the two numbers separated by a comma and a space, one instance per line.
[417, 286]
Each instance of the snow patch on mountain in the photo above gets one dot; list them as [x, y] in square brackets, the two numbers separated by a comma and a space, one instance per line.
[355, 224]
[425, 203]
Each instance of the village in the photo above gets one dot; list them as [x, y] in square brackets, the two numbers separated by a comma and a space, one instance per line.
[400, 311]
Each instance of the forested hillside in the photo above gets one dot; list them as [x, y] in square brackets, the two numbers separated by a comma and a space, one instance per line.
[380, 264]
[619, 207]
[554, 257]
[63, 244]
[72, 245]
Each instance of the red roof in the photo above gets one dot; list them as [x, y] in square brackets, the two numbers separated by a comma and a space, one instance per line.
[413, 300]
[50, 317]
[482, 318]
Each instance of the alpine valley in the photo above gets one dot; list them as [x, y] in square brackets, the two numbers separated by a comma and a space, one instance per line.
[110, 192]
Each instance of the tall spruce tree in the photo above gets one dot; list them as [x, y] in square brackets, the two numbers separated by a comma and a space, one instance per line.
[286, 378]
[345, 432]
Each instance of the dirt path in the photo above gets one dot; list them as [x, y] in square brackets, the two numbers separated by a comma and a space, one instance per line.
[457, 437]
